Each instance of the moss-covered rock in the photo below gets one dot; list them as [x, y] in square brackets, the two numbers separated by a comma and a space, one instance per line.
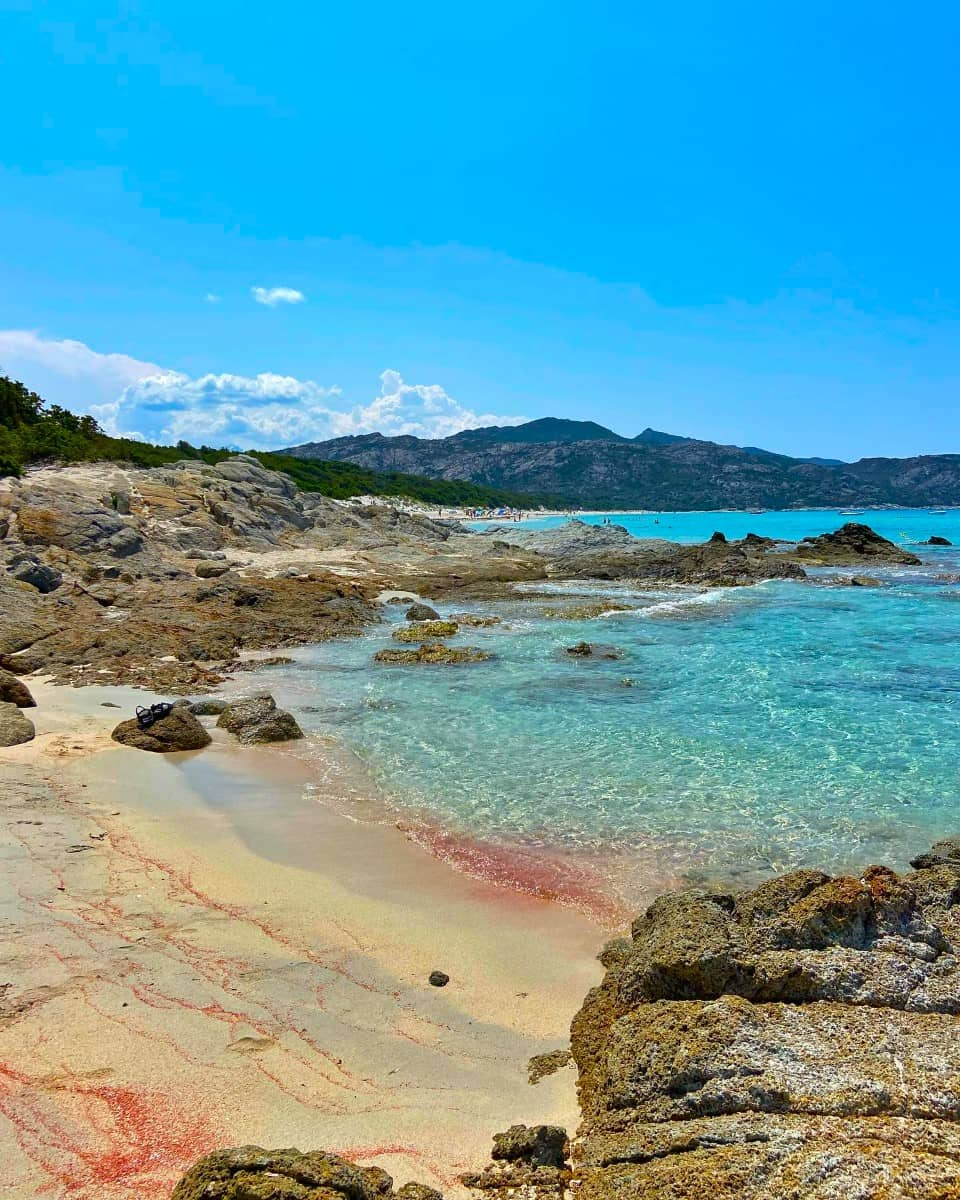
[423, 630]
[433, 652]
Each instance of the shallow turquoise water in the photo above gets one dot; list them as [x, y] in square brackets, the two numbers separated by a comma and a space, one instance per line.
[764, 728]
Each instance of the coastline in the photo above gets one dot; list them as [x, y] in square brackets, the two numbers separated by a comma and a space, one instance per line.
[185, 975]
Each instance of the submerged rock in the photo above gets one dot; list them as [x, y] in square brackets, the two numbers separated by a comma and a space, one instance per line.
[207, 707]
[15, 728]
[594, 650]
[15, 691]
[257, 720]
[178, 730]
[422, 631]
[250, 1173]
[433, 652]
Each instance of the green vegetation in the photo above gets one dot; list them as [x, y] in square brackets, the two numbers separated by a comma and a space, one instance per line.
[32, 431]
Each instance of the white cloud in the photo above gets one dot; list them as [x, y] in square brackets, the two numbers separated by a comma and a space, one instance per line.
[277, 295]
[268, 411]
[212, 298]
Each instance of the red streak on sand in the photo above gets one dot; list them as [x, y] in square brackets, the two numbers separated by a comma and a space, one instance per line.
[537, 873]
[100, 1141]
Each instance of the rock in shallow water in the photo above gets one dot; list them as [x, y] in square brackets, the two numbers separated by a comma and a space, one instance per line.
[178, 730]
[258, 720]
[421, 612]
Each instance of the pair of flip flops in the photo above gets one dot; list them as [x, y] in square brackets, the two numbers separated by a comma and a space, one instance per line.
[146, 716]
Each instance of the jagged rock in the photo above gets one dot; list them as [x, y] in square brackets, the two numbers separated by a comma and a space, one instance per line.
[936, 540]
[43, 577]
[58, 518]
[529, 1160]
[257, 720]
[421, 612]
[851, 544]
[251, 1173]
[15, 728]
[424, 630]
[15, 691]
[795, 1041]
[433, 652]
[178, 730]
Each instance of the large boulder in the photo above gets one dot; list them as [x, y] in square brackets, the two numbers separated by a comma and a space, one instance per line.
[15, 728]
[15, 691]
[257, 719]
[799, 1040]
[178, 730]
[75, 523]
[433, 653]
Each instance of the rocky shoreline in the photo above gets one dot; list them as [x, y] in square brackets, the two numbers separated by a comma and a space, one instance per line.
[792, 1041]
[163, 577]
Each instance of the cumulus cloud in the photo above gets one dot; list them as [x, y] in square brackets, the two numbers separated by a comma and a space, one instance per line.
[212, 298]
[133, 398]
[271, 297]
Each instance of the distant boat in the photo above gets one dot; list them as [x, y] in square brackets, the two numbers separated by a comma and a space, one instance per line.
[937, 512]
[755, 512]
[852, 512]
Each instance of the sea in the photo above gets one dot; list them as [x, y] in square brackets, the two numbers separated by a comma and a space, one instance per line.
[737, 732]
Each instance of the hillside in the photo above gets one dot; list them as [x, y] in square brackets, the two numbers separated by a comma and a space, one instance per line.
[592, 467]
[32, 431]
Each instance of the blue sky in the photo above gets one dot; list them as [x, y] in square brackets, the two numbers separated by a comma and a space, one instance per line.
[737, 221]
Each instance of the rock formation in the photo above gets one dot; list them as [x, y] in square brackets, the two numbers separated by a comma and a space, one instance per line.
[852, 544]
[433, 652]
[421, 631]
[799, 1040]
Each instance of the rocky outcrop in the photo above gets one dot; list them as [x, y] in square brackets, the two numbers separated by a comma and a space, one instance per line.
[15, 728]
[25, 568]
[799, 1040]
[257, 720]
[178, 730]
[15, 691]
[853, 543]
[936, 540]
[250, 1173]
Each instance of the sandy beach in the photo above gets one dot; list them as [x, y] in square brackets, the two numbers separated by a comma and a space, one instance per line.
[196, 955]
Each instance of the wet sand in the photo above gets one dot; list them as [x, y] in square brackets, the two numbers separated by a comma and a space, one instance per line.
[196, 953]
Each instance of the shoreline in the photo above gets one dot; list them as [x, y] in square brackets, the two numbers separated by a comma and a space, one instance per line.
[174, 985]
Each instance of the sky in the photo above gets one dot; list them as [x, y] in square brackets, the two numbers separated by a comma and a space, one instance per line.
[262, 225]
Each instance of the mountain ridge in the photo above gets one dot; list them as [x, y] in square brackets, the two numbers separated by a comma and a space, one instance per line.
[588, 465]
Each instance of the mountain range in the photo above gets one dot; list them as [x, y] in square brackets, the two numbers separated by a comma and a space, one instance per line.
[586, 465]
